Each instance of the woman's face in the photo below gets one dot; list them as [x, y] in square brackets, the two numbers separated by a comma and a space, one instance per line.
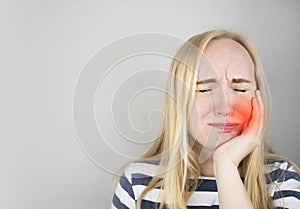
[225, 87]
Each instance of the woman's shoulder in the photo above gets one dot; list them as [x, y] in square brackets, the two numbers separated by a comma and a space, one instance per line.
[143, 168]
[283, 182]
[280, 170]
[131, 180]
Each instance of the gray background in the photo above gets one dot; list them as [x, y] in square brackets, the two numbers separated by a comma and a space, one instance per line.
[44, 46]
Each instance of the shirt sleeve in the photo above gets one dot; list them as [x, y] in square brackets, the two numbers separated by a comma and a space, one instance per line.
[123, 197]
[285, 188]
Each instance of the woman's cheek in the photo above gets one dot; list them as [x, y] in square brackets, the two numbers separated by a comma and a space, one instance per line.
[200, 115]
[244, 110]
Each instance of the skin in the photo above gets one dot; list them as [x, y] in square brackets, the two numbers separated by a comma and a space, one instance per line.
[226, 101]
[222, 100]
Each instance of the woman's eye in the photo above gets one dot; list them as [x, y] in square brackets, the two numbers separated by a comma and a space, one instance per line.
[240, 90]
[203, 90]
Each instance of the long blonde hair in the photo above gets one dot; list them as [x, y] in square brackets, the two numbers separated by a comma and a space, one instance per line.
[178, 159]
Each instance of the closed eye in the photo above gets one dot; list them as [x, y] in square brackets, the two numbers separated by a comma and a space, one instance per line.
[203, 90]
[240, 90]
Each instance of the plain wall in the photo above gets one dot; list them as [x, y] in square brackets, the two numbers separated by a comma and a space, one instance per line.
[44, 48]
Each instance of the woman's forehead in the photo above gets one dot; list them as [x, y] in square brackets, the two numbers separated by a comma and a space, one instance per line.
[226, 58]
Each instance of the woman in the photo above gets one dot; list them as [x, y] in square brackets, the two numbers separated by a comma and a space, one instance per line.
[212, 151]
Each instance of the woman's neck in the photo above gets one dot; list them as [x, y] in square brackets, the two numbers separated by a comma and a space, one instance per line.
[207, 168]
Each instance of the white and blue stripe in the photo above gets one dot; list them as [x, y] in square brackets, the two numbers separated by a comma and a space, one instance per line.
[137, 176]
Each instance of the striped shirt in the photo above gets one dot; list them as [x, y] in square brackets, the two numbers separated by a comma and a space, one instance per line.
[137, 176]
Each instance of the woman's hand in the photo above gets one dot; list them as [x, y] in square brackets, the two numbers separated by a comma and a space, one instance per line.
[235, 150]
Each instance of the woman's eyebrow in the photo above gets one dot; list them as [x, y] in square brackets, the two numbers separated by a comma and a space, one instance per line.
[240, 80]
[211, 80]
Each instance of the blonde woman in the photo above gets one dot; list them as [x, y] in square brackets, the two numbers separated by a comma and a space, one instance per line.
[212, 151]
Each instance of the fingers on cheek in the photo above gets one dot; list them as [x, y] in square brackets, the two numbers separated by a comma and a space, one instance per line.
[248, 111]
[261, 110]
[260, 103]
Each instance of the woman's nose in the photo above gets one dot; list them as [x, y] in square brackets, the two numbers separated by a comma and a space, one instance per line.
[222, 105]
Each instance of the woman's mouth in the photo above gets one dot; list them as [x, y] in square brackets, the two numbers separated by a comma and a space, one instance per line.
[225, 127]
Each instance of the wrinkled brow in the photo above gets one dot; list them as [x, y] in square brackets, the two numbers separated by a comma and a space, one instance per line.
[212, 80]
[234, 80]
[240, 80]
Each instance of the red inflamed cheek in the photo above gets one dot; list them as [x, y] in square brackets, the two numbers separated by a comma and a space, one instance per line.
[243, 112]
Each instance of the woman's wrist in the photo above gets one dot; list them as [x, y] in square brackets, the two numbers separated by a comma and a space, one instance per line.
[229, 182]
[222, 166]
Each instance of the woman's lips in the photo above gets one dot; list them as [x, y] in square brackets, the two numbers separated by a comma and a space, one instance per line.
[226, 127]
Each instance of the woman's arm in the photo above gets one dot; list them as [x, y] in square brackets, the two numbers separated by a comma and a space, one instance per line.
[231, 190]
[283, 183]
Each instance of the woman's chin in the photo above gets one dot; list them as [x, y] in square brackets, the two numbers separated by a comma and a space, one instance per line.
[215, 140]
[225, 137]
